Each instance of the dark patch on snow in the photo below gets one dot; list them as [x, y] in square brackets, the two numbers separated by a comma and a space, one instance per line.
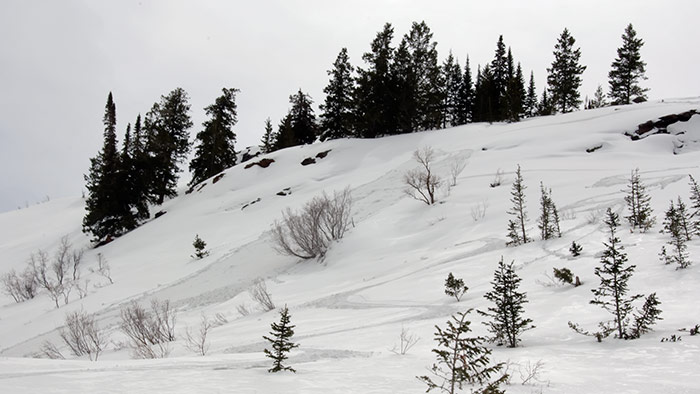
[307, 161]
[660, 126]
[321, 155]
[250, 203]
[285, 192]
[159, 214]
[264, 163]
[593, 149]
[217, 178]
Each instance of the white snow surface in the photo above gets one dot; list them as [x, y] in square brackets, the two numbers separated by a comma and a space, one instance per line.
[387, 273]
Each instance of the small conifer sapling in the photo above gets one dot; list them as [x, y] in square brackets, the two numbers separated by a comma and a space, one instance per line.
[280, 341]
[455, 287]
[199, 247]
[575, 249]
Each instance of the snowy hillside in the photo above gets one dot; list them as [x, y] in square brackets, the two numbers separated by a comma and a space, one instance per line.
[387, 273]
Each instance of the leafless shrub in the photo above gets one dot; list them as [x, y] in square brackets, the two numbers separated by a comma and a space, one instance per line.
[83, 336]
[497, 179]
[308, 233]
[197, 342]
[568, 214]
[49, 350]
[149, 331]
[103, 268]
[406, 342]
[243, 309]
[457, 165]
[258, 292]
[21, 287]
[219, 320]
[530, 373]
[479, 211]
[549, 282]
[594, 216]
[82, 289]
[422, 183]
[51, 278]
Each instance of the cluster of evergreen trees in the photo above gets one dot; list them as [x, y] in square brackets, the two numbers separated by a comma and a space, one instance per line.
[405, 89]
[122, 183]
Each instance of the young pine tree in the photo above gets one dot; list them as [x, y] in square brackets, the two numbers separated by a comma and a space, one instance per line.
[695, 204]
[614, 274]
[598, 100]
[462, 360]
[646, 317]
[507, 313]
[575, 249]
[280, 341]
[455, 287]
[215, 151]
[638, 203]
[465, 112]
[337, 110]
[677, 224]
[200, 247]
[548, 222]
[627, 70]
[452, 79]
[302, 118]
[531, 98]
[516, 227]
[267, 142]
[564, 77]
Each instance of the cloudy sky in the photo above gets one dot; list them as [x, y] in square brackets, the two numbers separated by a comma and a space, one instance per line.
[60, 59]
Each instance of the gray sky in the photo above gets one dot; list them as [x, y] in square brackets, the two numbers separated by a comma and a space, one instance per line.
[59, 59]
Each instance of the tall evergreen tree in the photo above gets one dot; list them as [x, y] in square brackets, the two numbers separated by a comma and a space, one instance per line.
[627, 70]
[502, 72]
[302, 118]
[516, 227]
[614, 274]
[284, 138]
[375, 96]
[638, 203]
[516, 94]
[139, 172]
[465, 108]
[105, 209]
[564, 77]
[280, 341]
[695, 204]
[337, 110]
[548, 222]
[507, 321]
[462, 360]
[530, 105]
[452, 78]
[546, 106]
[485, 96]
[267, 141]
[166, 127]
[215, 151]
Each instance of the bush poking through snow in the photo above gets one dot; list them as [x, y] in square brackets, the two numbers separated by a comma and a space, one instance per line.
[497, 179]
[83, 336]
[258, 292]
[462, 360]
[280, 341]
[308, 233]
[564, 275]
[149, 331]
[197, 341]
[638, 203]
[575, 249]
[455, 287]
[103, 268]
[422, 183]
[479, 211]
[200, 246]
[406, 342]
[57, 277]
[21, 287]
[457, 165]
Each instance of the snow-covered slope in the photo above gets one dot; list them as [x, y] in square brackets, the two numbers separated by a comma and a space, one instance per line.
[388, 271]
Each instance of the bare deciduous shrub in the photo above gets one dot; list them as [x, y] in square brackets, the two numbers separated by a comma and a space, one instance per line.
[49, 350]
[51, 278]
[103, 268]
[149, 331]
[530, 372]
[197, 341]
[258, 292]
[308, 233]
[568, 214]
[243, 309]
[83, 336]
[479, 211]
[21, 287]
[497, 179]
[422, 183]
[457, 165]
[406, 342]
[594, 216]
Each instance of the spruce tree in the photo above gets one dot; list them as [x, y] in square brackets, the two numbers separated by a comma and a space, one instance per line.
[646, 317]
[466, 96]
[140, 164]
[516, 92]
[638, 203]
[548, 222]
[627, 70]
[453, 84]
[677, 224]
[614, 274]
[215, 151]
[267, 141]
[485, 96]
[105, 206]
[564, 77]
[337, 110]
[507, 321]
[200, 246]
[695, 204]
[462, 360]
[546, 106]
[502, 71]
[375, 96]
[280, 341]
[455, 287]
[575, 249]
[304, 127]
[284, 138]
[516, 227]
[166, 127]
[530, 105]
[598, 100]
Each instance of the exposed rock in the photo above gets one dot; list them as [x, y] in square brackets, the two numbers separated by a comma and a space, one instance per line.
[250, 203]
[218, 178]
[593, 149]
[159, 214]
[264, 163]
[321, 155]
[660, 126]
[307, 161]
[285, 192]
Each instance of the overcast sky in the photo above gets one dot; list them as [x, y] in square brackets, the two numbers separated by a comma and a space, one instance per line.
[59, 60]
